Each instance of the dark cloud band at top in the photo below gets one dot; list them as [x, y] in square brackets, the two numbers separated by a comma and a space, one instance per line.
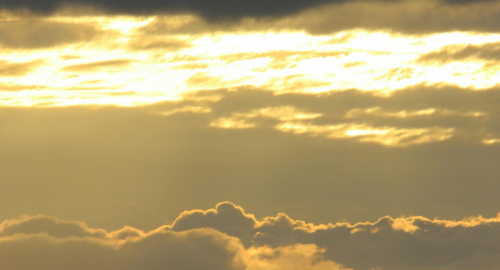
[211, 10]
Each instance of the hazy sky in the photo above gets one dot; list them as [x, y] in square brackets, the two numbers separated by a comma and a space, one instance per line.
[309, 134]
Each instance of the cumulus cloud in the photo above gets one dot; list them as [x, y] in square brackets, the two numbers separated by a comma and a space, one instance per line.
[48, 225]
[196, 249]
[212, 239]
[389, 243]
[41, 242]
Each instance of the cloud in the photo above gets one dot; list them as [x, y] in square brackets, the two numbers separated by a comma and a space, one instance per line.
[75, 246]
[444, 14]
[222, 10]
[488, 52]
[49, 225]
[20, 87]
[408, 17]
[165, 45]
[90, 158]
[226, 217]
[97, 66]
[389, 243]
[207, 240]
[196, 249]
[10, 69]
[195, 16]
[26, 33]
[407, 117]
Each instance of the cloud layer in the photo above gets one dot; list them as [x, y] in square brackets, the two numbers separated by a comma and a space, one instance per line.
[228, 238]
[355, 155]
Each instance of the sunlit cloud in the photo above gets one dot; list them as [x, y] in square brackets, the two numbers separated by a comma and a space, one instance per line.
[228, 238]
[231, 123]
[157, 58]
[360, 118]
[388, 136]
[187, 109]
[242, 120]
[378, 112]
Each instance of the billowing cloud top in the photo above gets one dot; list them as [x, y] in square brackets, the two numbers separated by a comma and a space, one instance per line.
[228, 238]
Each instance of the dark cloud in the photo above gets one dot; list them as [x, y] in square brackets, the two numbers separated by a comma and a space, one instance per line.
[488, 52]
[212, 10]
[389, 243]
[413, 16]
[50, 226]
[408, 17]
[274, 242]
[196, 249]
[130, 248]
[26, 33]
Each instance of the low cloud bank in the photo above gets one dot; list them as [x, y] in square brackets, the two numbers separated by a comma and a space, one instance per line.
[228, 238]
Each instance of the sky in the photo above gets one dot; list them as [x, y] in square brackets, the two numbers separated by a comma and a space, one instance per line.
[249, 135]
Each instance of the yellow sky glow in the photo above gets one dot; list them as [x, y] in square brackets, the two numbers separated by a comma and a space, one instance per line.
[125, 66]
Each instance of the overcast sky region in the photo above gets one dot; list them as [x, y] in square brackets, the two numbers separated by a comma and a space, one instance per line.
[250, 135]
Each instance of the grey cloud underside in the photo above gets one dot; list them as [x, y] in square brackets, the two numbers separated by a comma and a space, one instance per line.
[426, 244]
[219, 238]
[196, 249]
[409, 17]
[220, 10]
[213, 10]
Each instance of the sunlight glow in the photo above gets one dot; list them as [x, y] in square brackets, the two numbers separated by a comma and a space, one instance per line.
[146, 58]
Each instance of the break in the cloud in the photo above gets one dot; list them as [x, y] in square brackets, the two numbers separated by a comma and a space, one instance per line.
[228, 238]
[133, 63]
[130, 60]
